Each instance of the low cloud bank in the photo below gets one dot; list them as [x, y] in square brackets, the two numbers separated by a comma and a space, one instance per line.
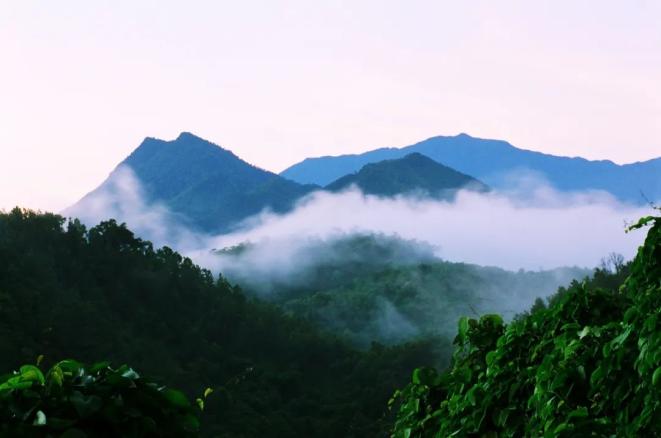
[123, 199]
[546, 230]
[349, 235]
[530, 227]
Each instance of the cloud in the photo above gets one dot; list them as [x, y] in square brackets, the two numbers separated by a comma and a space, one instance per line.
[123, 198]
[529, 226]
[546, 229]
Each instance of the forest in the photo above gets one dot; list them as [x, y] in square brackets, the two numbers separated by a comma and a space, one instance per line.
[586, 364]
[137, 318]
[101, 294]
[369, 287]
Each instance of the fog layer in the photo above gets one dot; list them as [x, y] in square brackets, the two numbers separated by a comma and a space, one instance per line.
[531, 226]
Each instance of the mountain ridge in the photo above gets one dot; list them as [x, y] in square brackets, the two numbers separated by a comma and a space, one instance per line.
[413, 173]
[210, 185]
[494, 161]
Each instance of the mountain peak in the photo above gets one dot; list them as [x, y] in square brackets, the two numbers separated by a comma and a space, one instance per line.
[416, 156]
[414, 172]
[185, 135]
[203, 184]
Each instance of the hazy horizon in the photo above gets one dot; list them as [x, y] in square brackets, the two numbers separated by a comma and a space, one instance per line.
[102, 178]
[84, 83]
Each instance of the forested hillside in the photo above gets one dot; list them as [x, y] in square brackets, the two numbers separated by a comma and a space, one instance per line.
[589, 364]
[103, 294]
[371, 287]
[586, 361]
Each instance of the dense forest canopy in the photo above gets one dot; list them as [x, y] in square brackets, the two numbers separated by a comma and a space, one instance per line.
[375, 287]
[278, 368]
[588, 364]
[103, 294]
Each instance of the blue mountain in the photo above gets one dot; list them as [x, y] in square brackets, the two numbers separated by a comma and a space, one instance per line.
[412, 174]
[208, 186]
[494, 162]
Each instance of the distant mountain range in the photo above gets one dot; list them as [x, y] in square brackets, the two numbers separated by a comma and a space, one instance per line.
[213, 190]
[412, 174]
[496, 163]
[208, 185]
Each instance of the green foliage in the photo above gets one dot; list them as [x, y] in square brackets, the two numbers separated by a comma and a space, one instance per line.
[74, 400]
[588, 365]
[384, 289]
[66, 291]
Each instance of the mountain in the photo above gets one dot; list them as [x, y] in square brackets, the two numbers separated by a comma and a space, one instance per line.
[414, 173]
[209, 186]
[495, 162]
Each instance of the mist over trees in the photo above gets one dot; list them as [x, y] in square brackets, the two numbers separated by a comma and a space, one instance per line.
[300, 358]
[374, 287]
[588, 364]
[103, 294]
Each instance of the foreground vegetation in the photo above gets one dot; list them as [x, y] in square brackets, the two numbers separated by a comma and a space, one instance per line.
[73, 400]
[103, 294]
[586, 363]
[589, 364]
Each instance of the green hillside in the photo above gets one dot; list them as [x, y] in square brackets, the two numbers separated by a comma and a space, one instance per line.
[372, 287]
[589, 364]
[103, 294]
[586, 362]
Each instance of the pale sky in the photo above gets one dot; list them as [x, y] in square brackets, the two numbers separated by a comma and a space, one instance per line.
[82, 82]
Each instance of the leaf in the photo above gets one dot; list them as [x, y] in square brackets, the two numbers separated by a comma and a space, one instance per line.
[16, 383]
[31, 373]
[641, 223]
[656, 377]
[580, 412]
[130, 374]
[424, 376]
[463, 328]
[177, 398]
[39, 419]
[85, 405]
[95, 368]
[56, 375]
[494, 319]
[207, 392]
[71, 368]
[597, 376]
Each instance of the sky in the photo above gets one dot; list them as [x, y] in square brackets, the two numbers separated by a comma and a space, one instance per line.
[82, 83]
